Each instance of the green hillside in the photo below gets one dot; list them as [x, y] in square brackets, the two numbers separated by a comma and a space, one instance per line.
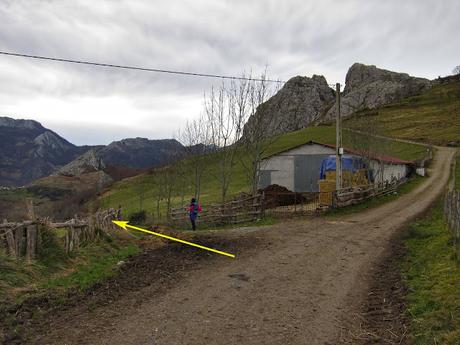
[140, 192]
[432, 117]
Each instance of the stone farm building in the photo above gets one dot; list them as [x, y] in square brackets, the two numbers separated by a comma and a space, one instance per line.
[298, 168]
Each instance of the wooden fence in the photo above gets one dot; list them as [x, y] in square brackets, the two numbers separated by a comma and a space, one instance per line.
[241, 210]
[452, 215]
[287, 204]
[357, 194]
[282, 204]
[23, 239]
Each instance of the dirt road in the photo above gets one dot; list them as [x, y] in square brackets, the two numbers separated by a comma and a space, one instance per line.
[291, 283]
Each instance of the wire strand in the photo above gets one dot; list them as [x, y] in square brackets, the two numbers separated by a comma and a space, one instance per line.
[155, 70]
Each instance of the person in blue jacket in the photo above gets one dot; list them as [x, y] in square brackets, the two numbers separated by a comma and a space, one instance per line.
[193, 211]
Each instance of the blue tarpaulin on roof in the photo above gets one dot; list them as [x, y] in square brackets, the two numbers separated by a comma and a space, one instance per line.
[349, 163]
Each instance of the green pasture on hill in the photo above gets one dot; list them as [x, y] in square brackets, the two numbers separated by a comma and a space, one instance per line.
[432, 117]
[139, 192]
[432, 275]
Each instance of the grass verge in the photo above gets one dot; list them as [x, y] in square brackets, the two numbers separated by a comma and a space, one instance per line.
[56, 270]
[432, 276]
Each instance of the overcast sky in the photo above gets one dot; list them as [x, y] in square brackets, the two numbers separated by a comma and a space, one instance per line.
[91, 105]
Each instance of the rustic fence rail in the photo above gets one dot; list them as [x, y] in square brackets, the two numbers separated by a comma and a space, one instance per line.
[22, 239]
[284, 204]
[357, 194]
[240, 210]
[287, 204]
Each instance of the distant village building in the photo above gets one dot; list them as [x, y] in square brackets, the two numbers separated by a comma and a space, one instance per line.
[298, 168]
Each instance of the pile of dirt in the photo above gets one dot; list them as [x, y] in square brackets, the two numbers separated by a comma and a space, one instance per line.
[276, 195]
[159, 269]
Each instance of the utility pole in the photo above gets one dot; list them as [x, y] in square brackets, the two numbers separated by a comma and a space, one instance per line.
[338, 141]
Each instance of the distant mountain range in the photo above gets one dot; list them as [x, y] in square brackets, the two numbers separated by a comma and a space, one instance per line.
[29, 151]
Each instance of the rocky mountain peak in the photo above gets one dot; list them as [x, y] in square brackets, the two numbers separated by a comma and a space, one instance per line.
[141, 152]
[369, 87]
[51, 140]
[359, 75]
[90, 161]
[299, 102]
[26, 124]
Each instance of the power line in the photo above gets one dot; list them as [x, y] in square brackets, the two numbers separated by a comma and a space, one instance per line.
[156, 70]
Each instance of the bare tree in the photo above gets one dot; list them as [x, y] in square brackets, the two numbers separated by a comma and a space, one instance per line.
[456, 70]
[195, 136]
[257, 136]
[225, 117]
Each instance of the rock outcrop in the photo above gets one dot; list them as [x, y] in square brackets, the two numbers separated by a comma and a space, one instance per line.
[300, 102]
[369, 87]
[86, 163]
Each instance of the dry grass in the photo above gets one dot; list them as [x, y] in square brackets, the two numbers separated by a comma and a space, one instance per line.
[432, 117]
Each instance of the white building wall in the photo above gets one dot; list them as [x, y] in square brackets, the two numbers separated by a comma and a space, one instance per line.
[282, 165]
[389, 171]
[282, 170]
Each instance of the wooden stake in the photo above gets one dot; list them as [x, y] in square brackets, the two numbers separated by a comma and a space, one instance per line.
[31, 242]
[11, 243]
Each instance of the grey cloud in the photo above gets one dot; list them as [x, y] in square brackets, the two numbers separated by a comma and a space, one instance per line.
[294, 37]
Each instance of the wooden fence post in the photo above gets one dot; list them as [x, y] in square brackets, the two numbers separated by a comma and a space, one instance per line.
[31, 249]
[20, 241]
[11, 243]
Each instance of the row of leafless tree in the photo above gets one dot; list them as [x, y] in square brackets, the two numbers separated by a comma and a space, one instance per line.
[216, 142]
[224, 129]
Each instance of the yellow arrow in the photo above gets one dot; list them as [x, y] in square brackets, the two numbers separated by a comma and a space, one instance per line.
[124, 224]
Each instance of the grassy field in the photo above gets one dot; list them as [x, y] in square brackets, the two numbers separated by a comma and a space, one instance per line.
[432, 117]
[433, 279]
[140, 192]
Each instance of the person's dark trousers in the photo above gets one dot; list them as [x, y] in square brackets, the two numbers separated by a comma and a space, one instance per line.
[192, 220]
